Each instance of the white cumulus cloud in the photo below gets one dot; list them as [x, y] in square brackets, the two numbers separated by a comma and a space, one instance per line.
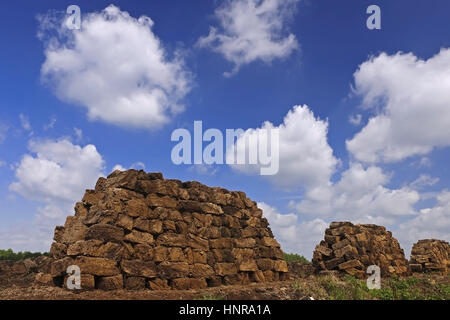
[56, 174]
[294, 236]
[431, 223]
[252, 30]
[305, 157]
[360, 196]
[411, 98]
[115, 67]
[136, 165]
[57, 170]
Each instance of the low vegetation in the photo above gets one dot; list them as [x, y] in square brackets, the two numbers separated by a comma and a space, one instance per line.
[350, 288]
[15, 256]
[293, 257]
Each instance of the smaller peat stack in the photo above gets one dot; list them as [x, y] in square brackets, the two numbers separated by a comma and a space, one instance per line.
[430, 255]
[351, 248]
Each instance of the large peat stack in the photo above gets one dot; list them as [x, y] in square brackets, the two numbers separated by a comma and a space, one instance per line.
[430, 255]
[352, 248]
[137, 230]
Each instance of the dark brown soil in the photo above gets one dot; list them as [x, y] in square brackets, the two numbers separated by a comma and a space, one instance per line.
[302, 285]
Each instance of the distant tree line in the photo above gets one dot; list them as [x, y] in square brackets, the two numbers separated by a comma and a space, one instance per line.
[293, 257]
[15, 256]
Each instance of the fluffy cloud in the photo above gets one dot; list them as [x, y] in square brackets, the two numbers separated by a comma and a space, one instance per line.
[252, 30]
[56, 174]
[58, 171]
[360, 196]
[36, 233]
[119, 167]
[432, 222]
[136, 166]
[305, 158]
[294, 236]
[30, 236]
[117, 68]
[411, 97]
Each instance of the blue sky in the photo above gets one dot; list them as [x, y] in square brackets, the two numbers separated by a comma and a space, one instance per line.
[400, 181]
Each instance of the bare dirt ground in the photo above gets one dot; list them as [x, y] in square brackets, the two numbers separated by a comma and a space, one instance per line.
[301, 286]
[275, 290]
[19, 286]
